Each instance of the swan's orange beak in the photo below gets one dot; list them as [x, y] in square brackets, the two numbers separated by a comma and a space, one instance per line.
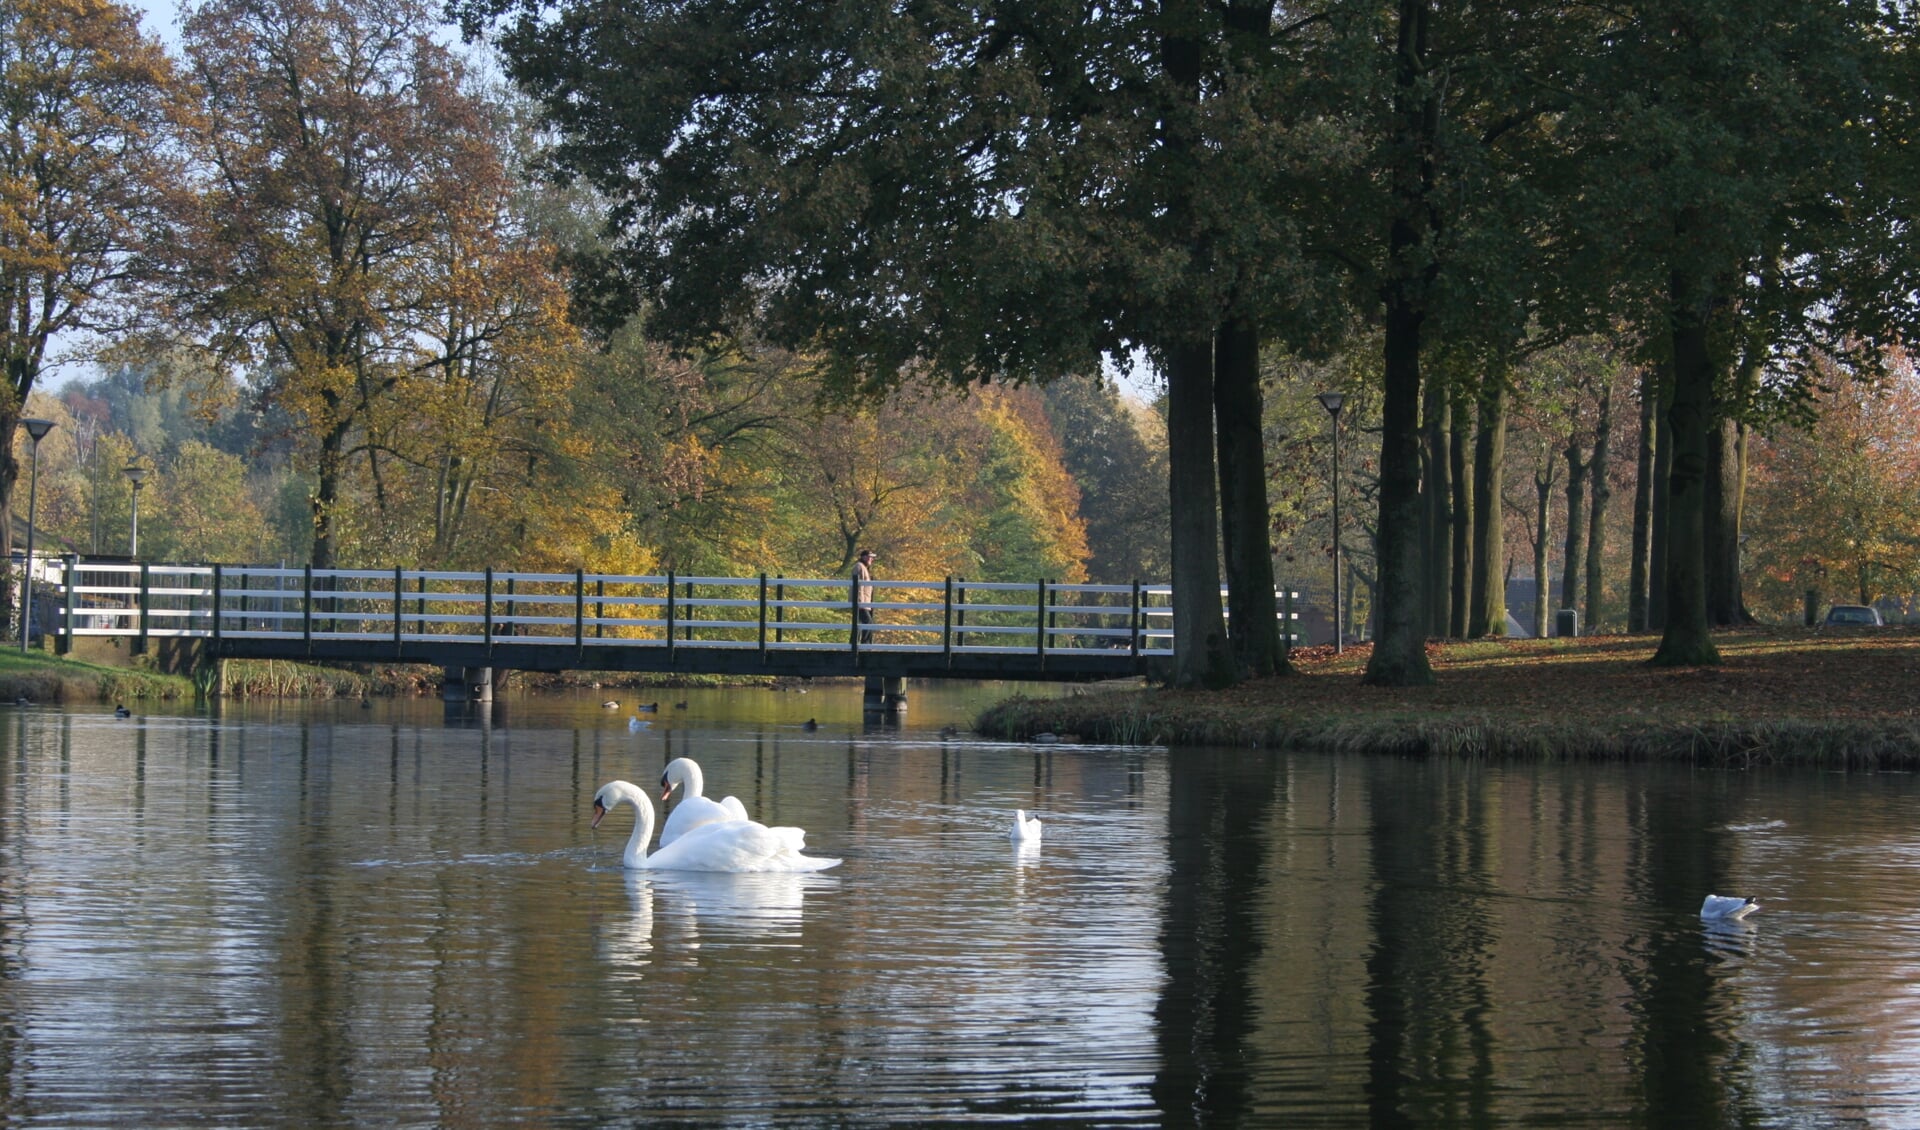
[666, 790]
[599, 810]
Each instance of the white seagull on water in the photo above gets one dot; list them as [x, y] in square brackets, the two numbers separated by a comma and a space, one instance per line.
[1726, 908]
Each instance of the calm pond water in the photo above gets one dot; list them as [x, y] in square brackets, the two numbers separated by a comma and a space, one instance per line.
[334, 916]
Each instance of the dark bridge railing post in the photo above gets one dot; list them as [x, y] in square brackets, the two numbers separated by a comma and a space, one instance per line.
[486, 623]
[216, 603]
[579, 613]
[73, 583]
[946, 624]
[779, 609]
[399, 595]
[1040, 623]
[763, 618]
[671, 581]
[141, 645]
[1133, 622]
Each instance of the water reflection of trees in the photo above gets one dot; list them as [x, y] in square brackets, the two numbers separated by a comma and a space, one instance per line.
[1210, 936]
[1403, 943]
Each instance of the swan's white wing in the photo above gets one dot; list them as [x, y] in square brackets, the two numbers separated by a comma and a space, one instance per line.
[738, 845]
[694, 812]
[732, 804]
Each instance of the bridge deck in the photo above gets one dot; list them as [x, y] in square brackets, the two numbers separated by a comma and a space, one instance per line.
[949, 628]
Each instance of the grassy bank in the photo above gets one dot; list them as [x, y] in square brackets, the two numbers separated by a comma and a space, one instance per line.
[45, 678]
[1781, 695]
[42, 678]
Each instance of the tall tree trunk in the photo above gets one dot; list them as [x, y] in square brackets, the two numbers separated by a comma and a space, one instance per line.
[1726, 498]
[1602, 494]
[10, 413]
[1723, 520]
[1740, 526]
[1201, 655]
[1489, 617]
[1459, 590]
[1574, 553]
[1685, 641]
[1662, 503]
[1400, 649]
[1438, 529]
[1642, 507]
[1543, 480]
[1244, 515]
[328, 469]
[1399, 656]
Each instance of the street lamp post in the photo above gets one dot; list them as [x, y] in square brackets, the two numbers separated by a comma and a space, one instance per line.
[137, 475]
[1332, 401]
[37, 429]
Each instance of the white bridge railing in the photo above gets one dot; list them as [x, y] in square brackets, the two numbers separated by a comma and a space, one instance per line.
[587, 610]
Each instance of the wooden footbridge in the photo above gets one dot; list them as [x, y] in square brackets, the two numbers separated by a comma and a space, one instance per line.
[474, 623]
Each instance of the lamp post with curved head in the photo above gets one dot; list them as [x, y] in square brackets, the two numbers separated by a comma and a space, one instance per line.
[37, 429]
[137, 475]
[1332, 402]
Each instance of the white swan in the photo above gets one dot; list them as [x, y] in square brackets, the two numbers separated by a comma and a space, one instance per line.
[694, 808]
[1726, 908]
[733, 845]
[1024, 828]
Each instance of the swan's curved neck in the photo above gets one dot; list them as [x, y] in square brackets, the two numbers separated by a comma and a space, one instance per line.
[636, 850]
[692, 782]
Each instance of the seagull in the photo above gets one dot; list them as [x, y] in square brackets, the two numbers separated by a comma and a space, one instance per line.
[1725, 908]
[1023, 829]
[635, 725]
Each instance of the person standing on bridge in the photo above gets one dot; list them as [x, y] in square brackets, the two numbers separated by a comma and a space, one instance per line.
[863, 594]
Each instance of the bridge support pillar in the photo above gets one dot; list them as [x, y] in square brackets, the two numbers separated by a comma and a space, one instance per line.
[885, 695]
[467, 684]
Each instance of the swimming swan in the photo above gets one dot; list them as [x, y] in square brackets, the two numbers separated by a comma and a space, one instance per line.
[1024, 828]
[695, 807]
[734, 845]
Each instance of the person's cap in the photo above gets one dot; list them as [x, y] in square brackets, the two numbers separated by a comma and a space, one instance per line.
[868, 553]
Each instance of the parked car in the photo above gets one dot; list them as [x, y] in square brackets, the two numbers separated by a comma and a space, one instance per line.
[1852, 616]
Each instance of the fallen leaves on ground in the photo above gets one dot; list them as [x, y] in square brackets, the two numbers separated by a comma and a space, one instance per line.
[1764, 673]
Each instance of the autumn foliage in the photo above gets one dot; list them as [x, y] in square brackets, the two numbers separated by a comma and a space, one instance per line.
[1835, 506]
